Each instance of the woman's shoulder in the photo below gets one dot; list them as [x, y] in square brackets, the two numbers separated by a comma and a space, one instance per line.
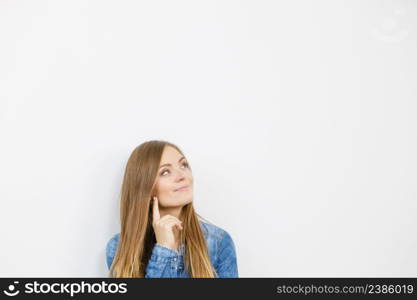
[113, 241]
[214, 231]
[222, 250]
[111, 248]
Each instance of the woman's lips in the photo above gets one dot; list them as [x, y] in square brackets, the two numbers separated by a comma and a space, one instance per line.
[182, 188]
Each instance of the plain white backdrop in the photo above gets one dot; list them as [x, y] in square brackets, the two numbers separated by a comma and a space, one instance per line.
[297, 117]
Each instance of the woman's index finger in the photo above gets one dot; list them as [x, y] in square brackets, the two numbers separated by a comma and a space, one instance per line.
[156, 215]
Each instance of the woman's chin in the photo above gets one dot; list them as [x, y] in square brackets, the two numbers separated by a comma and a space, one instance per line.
[186, 201]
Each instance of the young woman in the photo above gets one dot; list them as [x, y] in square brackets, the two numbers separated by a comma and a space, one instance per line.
[161, 234]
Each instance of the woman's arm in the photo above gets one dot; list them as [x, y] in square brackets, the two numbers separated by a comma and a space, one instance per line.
[226, 262]
[162, 262]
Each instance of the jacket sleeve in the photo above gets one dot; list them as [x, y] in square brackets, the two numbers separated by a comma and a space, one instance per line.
[162, 263]
[226, 262]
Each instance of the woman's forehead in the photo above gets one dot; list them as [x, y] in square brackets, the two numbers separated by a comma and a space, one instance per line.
[170, 155]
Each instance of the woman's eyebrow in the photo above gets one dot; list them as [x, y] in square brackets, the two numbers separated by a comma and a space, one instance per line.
[170, 164]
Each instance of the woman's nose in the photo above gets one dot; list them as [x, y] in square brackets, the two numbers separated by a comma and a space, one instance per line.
[180, 175]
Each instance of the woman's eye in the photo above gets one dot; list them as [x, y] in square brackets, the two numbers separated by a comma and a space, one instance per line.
[166, 170]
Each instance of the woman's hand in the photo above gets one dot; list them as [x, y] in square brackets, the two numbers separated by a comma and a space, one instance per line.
[166, 228]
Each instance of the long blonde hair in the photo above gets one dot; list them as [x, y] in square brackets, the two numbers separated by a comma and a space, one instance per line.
[137, 237]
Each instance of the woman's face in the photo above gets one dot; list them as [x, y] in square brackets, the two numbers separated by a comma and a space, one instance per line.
[173, 174]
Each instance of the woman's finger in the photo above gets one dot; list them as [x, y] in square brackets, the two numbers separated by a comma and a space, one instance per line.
[156, 215]
[171, 222]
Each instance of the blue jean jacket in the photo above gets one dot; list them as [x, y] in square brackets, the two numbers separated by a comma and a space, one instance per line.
[169, 263]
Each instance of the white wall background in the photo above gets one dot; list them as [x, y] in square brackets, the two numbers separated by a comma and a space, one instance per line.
[298, 117]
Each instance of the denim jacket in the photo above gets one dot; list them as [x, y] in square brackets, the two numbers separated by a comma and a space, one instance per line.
[166, 262]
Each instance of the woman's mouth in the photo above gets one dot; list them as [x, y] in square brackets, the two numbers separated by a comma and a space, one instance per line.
[183, 188]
